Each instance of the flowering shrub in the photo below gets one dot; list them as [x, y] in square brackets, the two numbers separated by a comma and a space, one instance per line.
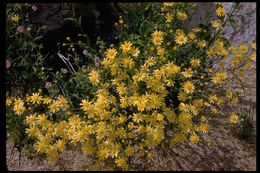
[24, 57]
[152, 89]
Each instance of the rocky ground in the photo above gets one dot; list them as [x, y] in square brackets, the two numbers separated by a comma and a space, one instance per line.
[220, 149]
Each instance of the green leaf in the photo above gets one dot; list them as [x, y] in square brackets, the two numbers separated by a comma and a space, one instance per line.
[233, 24]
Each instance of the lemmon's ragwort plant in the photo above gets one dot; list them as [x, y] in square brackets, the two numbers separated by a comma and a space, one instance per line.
[146, 92]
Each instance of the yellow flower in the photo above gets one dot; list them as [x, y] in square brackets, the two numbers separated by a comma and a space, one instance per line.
[15, 18]
[181, 39]
[160, 51]
[129, 63]
[87, 148]
[160, 117]
[111, 53]
[194, 138]
[54, 107]
[182, 96]
[169, 17]
[192, 35]
[252, 56]
[121, 162]
[126, 47]
[85, 105]
[46, 100]
[30, 120]
[115, 149]
[129, 150]
[179, 137]
[219, 77]
[63, 103]
[8, 101]
[188, 87]
[204, 128]
[233, 118]
[135, 52]
[40, 146]
[42, 119]
[103, 153]
[220, 11]
[195, 62]
[187, 73]
[212, 98]
[36, 98]
[243, 48]
[215, 23]
[94, 77]
[31, 131]
[60, 145]
[254, 45]
[202, 43]
[19, 106]
[181, 15]
[137, 118]
[157, 37]
[203, 119]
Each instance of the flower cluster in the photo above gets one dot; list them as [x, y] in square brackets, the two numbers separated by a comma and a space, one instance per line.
[141, 97]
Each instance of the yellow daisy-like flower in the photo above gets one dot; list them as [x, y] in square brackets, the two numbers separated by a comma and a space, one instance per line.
[129, 150]
[54, 107]
[213, 98]
[254, 45]
[8, 101]
[219, 77]
[195, 62]
[135, 52]
[121, 162]
[204, 128]
[187, 73]
[111, 53]
[192, 35]
[15, 18]
[19, 106]
[42, 119]
[252, 56]
[157, 37]
[40, 147]
[194, 138]
[160, 117]
[94, 77]
[126, 47]
[233, 118]
[202, 43]
[85, 105]
[169, 17]
[36, 98]
[181, 39]
[181, 15]
[46, 100]
[30, 120]
[215, 23]
[220, 11]
[160, 51]
[188, 87]
[243, 48]
[60, 145]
